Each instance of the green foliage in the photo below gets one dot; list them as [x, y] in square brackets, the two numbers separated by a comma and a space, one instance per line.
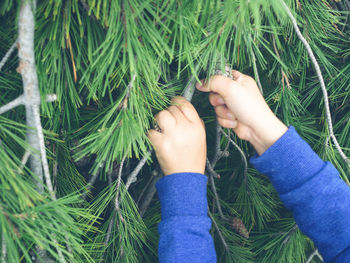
[113, 65]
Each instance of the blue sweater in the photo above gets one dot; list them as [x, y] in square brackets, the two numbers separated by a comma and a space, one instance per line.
[308, 186]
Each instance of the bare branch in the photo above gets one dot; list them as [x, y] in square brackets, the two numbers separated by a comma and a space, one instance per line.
[7, 55]
[244, 158]
[290, 233]
[320, 78]
[24, 160]
[314, 253]
[133, 176]
[211, 170]
[30, 84]
[119, 179]
[12, 104]
[148, 196]
[108, 235]
[3, 249]
[213, 187]
[219, 231]
[92, 180]
[190, 86]
[41, 140]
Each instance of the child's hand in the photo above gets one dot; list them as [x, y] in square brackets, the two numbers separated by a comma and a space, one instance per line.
[181, 144]
[239, 105]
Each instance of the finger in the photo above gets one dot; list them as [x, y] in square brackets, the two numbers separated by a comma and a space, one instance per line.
[219, 84]
[186, 108]
[223, 112]
[177, 113]
[165, 120]
[237, 76]
[227, 123]
[155, 137]
[216, 99]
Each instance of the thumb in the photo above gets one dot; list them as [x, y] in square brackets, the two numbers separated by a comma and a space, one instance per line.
[218, 84]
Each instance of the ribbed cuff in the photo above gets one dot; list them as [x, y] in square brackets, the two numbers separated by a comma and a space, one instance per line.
[183, 194]
[284, 162]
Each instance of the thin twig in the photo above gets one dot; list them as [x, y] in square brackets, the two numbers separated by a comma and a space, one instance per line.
[219, 231]
[24, 160]
[132, 178]
[92, 180]
[119, 179]
[244, 158]
[108, 235]
[45, 164]
[3, 249]
[320, 78]
[211, 170]
[8, 54]
[314, 253]
[12, 104]
[148, 196]
[290, 233]
[213, 187]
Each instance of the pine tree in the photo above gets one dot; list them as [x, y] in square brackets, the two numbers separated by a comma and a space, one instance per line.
[80, 81]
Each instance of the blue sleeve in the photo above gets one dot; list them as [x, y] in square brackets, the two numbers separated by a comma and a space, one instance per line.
[313, 191]
[184, 228]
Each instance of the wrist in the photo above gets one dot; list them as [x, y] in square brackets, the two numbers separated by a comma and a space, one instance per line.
[267, 133]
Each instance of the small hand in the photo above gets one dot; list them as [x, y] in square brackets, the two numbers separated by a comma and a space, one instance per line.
[239, 105]
[181, 144]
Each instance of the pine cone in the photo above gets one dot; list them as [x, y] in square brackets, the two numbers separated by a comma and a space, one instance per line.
[240, 228]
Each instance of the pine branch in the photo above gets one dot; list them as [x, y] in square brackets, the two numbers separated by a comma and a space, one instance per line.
[12, 104]
[314, 253]
[7, 55]
[320, 78]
